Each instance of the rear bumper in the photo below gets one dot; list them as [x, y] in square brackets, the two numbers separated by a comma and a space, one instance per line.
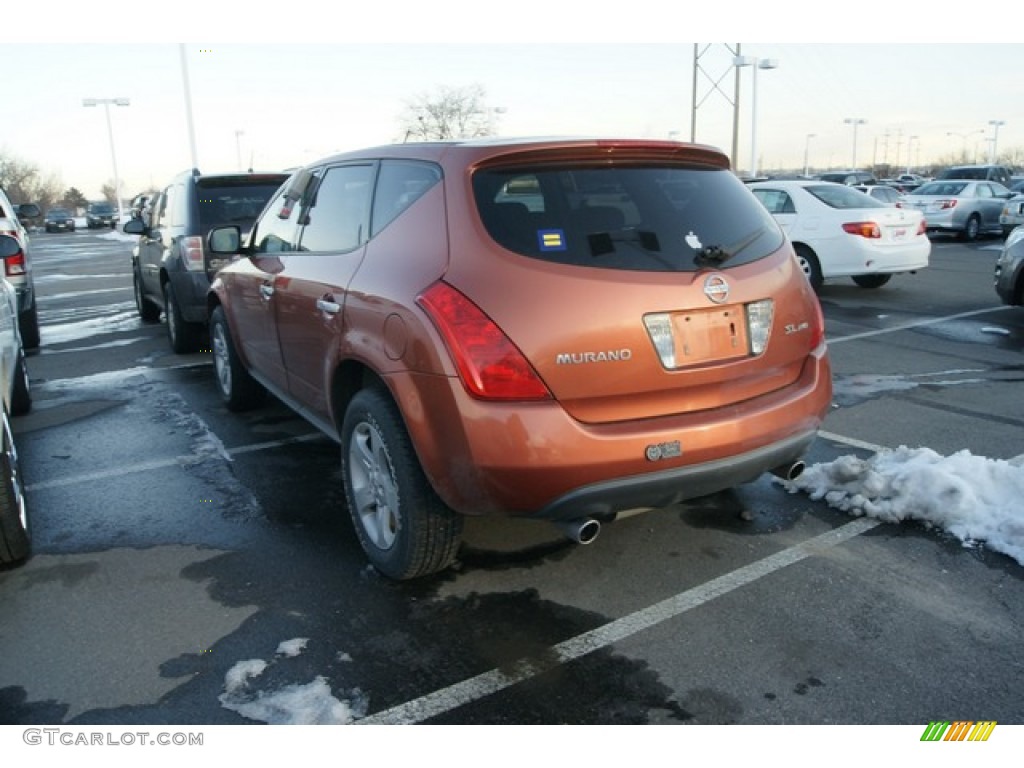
[533, 460]
[660, 489]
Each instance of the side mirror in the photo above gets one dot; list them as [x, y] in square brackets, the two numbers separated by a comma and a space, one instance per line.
[224, 240]
[28, 211]
[9, 247]
[134, 227]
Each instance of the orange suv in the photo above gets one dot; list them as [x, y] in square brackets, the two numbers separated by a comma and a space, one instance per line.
[552, 329]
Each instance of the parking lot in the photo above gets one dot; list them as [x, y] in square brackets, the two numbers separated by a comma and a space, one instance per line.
[197, 566]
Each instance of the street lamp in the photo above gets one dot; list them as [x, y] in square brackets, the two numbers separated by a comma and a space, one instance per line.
[910, 144]
[755, 63]
[807, 149]
[995, 136]
[964, 137]
[120, 102]
[238, 148]
[854, 121]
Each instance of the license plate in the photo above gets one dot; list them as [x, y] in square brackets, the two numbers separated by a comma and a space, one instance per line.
[710, 335]
[899, 234]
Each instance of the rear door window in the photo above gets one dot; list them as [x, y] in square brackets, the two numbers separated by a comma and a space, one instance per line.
[644, 217]
[337, 217]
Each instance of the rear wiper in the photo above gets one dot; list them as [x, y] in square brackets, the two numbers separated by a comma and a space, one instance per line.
[716, 254]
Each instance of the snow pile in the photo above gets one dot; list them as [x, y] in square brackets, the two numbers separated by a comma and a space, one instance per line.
[977, 500]
[309, 704]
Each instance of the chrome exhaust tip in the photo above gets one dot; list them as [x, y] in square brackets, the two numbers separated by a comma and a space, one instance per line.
[789, 472]
[581, 531]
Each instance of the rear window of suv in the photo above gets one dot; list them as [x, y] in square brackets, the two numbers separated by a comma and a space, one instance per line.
[645, 218]
[223, 203]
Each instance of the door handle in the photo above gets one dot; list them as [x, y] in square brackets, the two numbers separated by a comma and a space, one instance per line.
[266, 291]
[328, 306]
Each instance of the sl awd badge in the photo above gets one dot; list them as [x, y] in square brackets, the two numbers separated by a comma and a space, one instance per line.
[660, 451]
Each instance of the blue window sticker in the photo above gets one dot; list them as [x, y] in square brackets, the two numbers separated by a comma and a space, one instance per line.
[551, 239]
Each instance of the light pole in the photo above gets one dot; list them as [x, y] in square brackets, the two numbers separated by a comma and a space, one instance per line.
[995, 136]
[964, 137]
[120, 102]
[755, 64]
[910, 143]
[854, 121]
[807, 149]
[238, 148]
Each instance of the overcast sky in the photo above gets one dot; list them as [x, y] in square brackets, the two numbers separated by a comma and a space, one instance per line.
[547, 72]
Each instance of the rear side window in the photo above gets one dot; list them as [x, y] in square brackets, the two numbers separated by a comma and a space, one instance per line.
[399, 184]
[646, 218]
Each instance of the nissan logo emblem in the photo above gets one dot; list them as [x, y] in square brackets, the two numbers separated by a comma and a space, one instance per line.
[716, 289]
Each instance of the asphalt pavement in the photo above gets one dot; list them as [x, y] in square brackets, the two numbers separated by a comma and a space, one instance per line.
[176, 544]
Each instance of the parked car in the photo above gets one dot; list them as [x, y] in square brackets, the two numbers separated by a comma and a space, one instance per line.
[849, 178]
[997, 173]
[17, 400]
[1009, 272]
[99, 215]
[838, 231]
[556, 330]
[170, 268]
[18, 268]
[966, 208]
[882, 193]
[59, 220]
[1012, 215]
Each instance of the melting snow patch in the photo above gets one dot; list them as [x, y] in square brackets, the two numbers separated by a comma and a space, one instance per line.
[974, 498]
[311, 703]
[292, 647]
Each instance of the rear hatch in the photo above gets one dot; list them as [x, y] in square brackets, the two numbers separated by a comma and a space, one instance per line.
[638, 287]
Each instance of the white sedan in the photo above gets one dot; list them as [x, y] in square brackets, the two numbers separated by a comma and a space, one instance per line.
[837, 231]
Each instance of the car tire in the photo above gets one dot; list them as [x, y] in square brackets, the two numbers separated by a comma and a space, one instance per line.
[871, 281]
[21, 398]
[238, 389]
[810, 265]
[28, 327]
[148, 311]
[972, 228]
[405, 529]
[183, 335]
[15, 537]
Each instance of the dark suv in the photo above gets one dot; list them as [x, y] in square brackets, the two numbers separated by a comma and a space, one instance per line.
[170, 268]
[998, 173]
[99, 215]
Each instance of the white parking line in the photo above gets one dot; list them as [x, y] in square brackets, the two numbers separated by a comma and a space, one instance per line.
[177, 461]
[915, 324]
[476, 688]
[851, 441]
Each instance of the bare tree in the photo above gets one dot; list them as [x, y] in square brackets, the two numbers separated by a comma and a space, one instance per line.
[449, 113]
[24, 183]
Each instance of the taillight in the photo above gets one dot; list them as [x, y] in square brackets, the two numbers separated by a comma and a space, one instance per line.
[863, 228]
[192, 252]
[944, 204]
[14, 265]
[490, 365]
[922, 228]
